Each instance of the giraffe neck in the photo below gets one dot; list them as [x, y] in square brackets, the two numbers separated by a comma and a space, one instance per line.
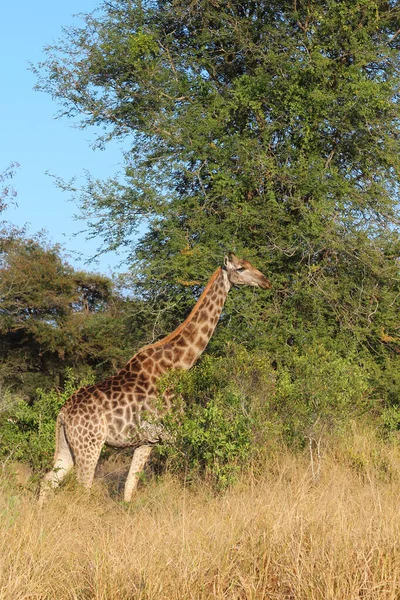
[182, 347]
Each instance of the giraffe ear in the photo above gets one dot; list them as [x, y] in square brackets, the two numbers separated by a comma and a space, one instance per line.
[230, 260]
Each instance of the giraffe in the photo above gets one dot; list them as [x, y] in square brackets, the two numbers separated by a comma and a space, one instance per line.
[124, 410]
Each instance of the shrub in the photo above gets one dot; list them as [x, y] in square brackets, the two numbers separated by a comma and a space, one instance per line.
[211, 440]
[231, 410]
[216, 417]
[319, 391]
[27, 430]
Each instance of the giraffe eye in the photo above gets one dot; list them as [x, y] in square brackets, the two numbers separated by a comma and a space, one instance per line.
[240, 269]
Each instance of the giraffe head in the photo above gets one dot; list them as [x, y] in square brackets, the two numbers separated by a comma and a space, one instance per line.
[241, 272]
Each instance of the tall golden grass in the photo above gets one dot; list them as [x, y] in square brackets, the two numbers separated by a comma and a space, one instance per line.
[279, 534]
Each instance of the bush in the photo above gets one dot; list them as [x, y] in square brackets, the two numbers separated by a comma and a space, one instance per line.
[211, 441]
[229, 411]
[319, 391]
[27, 431]
[215, 420]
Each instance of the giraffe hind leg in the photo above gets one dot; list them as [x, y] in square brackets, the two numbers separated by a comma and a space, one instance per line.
[87, 451]
[86, 461]
[63, 462]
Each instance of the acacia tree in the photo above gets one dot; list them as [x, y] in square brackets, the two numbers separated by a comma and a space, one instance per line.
[270, 128]
[53, 317]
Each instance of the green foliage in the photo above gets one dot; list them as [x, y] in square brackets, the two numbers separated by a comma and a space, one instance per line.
[391, 419]
[52, 316]
[212, 441]
[230, 410]
[27, 430]
[209, 430]
[319, 391]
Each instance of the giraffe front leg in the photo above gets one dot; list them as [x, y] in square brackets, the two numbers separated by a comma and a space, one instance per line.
[139, 459]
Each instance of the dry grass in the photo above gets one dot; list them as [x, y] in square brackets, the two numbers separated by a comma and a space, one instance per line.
[277, 536]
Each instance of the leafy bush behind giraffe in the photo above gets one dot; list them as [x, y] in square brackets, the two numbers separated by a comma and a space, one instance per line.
[27, 430]
[233, 409]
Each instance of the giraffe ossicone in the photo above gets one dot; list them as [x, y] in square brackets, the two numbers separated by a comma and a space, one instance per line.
[122, 410]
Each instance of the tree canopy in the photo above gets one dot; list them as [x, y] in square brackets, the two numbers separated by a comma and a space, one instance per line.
[269, 128]
[52, 316]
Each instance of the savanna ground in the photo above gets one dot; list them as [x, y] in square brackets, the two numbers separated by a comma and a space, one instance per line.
[291, 529]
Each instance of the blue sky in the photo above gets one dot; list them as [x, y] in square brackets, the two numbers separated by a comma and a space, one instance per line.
[31, 136]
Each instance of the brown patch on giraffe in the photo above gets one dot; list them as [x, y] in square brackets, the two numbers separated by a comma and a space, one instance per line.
[139, 357]
[157, 355]
[89, 388]
[165, 364]
[196, 318]
[167, 358]
[148, 364]
[87, 410]
[191, 328]
[139, 389]
[204, 316]
[177, 354]
[201, 343]
[133, 365]
[143, 379]
[190, 356]
[158, 371]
